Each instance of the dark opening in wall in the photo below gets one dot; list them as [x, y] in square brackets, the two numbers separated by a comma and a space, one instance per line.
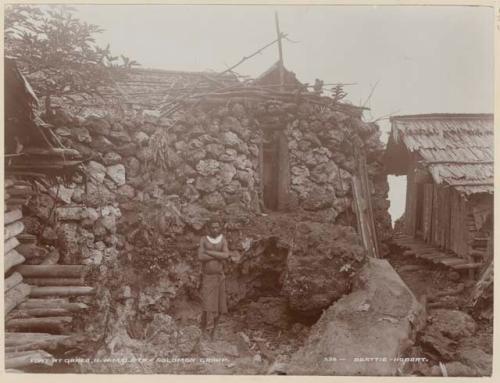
[275, 170]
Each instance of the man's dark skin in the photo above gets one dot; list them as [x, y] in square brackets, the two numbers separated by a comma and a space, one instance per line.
[214, 230]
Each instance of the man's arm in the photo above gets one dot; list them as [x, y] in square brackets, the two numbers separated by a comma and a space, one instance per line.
[202, 256]
[207, 255]
[224, 254]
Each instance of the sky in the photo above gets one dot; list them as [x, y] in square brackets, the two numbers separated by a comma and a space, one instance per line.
[412, 59]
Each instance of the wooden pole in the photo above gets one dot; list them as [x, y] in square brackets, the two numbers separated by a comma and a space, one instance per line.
[62, 291]
[280, 51]
[58, 325]
[51, 271]
[32, 304]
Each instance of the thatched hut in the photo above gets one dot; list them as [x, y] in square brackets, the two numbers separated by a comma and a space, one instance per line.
[448, 161]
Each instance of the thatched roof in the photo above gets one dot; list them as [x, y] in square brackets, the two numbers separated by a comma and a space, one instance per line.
[152, 87]
[457, 149]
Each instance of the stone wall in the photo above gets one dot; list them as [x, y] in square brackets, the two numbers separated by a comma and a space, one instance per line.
[153, 182]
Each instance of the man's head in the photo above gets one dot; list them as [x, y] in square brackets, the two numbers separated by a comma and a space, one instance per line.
[214, 228]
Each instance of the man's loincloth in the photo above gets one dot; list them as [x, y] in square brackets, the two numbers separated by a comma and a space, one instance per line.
[213, 293]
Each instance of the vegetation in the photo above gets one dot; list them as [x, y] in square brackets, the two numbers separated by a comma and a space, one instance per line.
[58, 52]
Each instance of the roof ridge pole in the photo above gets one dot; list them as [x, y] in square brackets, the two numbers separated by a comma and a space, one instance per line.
[280, 51]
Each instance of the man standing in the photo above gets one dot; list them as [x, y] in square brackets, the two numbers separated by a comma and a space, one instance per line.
[213, 250]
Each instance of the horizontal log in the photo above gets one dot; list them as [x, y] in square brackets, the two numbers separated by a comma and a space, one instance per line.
[43, 166]
[16, 339]
[49, 271]
[12, 216]
[32, 251]
[478, 253]
[12, 259]
[55, 281]
[10, 205]
[65, 291]
[13, 280]
[451, 261]
[442, 305]
[466, 266]
[458, 290]
[19, 341]
[25, 173]
[10, 245]
[13, 229]
[36, 313]
[439, 256]
[8, 183]
[27, 238]
[54, 325]
[15, 296]
[431, 255]
[16, 201]
[16, 361]
[56, 303]
[54, 152]
[48, 344]
[22, 192]
[44, 302]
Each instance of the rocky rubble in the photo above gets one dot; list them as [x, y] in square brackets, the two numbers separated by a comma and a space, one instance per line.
[379, 319]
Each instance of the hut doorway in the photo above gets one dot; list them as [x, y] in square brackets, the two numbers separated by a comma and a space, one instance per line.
[275, 170]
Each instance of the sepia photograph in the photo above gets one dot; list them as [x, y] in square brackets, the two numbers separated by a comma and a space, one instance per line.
[249, 189]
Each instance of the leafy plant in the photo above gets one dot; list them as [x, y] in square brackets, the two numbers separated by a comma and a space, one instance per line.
[58, 52]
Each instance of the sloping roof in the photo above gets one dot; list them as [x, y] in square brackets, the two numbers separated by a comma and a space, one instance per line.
[152, 87]
[145, 88]
[457, 149]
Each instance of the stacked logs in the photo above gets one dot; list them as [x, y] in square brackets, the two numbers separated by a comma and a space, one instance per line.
[38, 311]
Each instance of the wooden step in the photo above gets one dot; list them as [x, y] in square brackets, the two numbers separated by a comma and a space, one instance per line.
[436, 255]
[467, 266]
[441, 256]
[451, 261]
